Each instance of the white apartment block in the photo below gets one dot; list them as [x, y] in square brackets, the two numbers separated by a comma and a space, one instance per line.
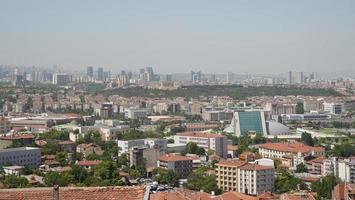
[215, 142]
[346, 170]
[136, 113]
[23, 156]
[127, 145]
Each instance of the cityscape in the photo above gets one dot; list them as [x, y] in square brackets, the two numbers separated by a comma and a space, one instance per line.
[224, 130]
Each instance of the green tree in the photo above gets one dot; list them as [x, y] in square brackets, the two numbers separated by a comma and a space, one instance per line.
[299, 108]
[13, 181]
[165, 176]
[106, 170]
[61, 157]
[324, 186]
[343, 150]
[307, 139]
[199, 181]
[55, 178]
[192, 148]
[301, 168]
[79, 173]
[49, 149]
[286, 182]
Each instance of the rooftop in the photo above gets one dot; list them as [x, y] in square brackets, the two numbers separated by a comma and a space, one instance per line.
[293, 147]
[231, 163]
[18, 149]
[173, 158]
[77, 193]
[199, 134]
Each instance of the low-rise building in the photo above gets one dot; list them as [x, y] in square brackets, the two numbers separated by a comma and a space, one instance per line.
[24, 156]
[208, 141]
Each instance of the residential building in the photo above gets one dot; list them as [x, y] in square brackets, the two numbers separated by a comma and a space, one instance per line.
[247, 178]
[199, 127]
[13, 170]
[24, 156]
[88, 149]
[181, 165]
[16, 140]
[255, 179]
[333, 108]
[88, 164]
[61, 79]
[346, 170]
[126, 145]
[208, 141]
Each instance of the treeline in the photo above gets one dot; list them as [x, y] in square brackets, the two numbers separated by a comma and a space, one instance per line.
[234, 91]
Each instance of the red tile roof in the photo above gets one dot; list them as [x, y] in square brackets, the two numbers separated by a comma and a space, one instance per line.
[231, 163]
[249, 166]
[173, 158]
[292, 147]
[200, 134]
[75, 193]
[88, 162]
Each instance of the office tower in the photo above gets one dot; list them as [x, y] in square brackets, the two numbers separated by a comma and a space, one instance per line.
[100, 74]
[169, 77]
[213, 77]
[196, 76]
[61, 78]
[90, 71]
[230, 77]
[289, 78]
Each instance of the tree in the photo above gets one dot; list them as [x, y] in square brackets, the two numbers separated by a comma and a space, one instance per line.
[79, 173]
[344, 150]
[13, 181]
[192, 148]
[301, 168]
[106, 170]
[307, 139]
[54, 178]
[61, 157]
[165, 176]
[324, 186]
[287, 182]
[49, 149]
[199, 181]
[299, 108]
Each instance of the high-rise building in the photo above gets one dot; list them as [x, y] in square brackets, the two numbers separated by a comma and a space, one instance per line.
[196, 76]
[90, 71]
[230, 77]
[100, 74]
[61, 78]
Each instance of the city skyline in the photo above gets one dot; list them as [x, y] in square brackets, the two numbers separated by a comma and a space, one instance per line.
[253, 36]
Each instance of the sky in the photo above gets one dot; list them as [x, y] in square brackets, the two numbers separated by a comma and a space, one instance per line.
[254, 36]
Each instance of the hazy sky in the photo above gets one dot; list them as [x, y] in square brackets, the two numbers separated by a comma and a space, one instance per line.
[265, 36]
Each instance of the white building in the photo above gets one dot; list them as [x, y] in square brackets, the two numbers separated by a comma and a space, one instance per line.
[136, 113]
[61, 78]
[346, 170]
[333, 108]
[24, 156]
[208, 141]
[127, 145]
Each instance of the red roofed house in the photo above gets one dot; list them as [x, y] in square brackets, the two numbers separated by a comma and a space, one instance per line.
[293, 149]
[315, 166]
[208, 141]
[182, 165]
[88, 164]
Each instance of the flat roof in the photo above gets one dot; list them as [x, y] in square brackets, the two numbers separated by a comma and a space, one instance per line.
[18, 149]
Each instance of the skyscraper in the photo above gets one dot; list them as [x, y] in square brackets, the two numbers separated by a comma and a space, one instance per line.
[196, 76]
[90, 71]
[100, 74]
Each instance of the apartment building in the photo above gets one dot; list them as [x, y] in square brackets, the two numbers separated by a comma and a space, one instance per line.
[346, 170]
[247, 178]
[136, 113]
[23, 156]
[255, 179]
[4, 125]
[278, 150]
[215, 142]
[158, 143]
[181, 165]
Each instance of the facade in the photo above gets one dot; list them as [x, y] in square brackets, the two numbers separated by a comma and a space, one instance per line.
[23, 156]
[126, 145]
[136, 113]
[208, 141]
[247, 178]
[61, 79]
[333, 108]
[181, 165]
[346, 170]
[248, 122]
